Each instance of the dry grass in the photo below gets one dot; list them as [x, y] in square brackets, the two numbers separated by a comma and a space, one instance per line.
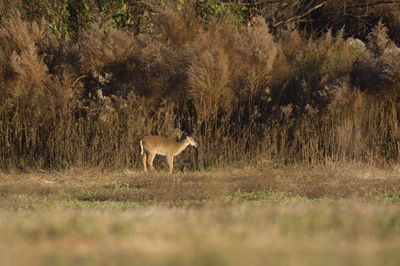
[256, 101]
[297, 215]
[294, 234]
[199, 188]
[243, 92]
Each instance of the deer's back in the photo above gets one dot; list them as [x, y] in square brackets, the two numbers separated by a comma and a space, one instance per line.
[158, 144]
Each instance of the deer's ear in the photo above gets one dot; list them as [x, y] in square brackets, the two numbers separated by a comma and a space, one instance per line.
[184, 136]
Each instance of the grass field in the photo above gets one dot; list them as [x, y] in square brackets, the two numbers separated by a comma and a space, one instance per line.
[274, 215]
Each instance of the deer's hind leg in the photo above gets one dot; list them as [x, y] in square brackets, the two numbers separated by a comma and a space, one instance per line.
[150, 159]
[145, 161]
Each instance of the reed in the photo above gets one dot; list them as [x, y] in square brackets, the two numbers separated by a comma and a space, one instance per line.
[244, 93]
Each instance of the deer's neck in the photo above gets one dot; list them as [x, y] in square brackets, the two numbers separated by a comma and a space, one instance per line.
[181, 146]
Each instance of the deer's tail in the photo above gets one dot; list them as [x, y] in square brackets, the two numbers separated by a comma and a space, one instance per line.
[141, 148]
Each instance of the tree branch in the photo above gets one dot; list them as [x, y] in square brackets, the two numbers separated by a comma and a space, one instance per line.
[301, 15]
[236, 3]
[375, 4]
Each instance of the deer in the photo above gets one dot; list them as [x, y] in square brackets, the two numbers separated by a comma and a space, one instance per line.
[151, 145]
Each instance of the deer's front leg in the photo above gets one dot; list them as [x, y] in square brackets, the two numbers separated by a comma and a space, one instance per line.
[170, 161]
[150, 159]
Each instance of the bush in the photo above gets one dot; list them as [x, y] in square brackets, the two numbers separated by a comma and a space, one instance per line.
[244, 92]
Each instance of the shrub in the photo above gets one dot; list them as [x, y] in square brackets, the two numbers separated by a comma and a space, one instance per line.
[208, 79]
[244, 92]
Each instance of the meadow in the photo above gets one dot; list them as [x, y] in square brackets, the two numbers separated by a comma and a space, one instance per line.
[294, 104]
[270, 214]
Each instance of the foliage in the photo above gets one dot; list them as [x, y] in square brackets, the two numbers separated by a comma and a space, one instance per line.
[245, 91]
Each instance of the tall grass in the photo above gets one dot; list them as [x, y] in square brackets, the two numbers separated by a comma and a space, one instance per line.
[246, 94]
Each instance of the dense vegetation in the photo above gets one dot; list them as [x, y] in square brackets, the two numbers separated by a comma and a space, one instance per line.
[295, 105]
[295, 81]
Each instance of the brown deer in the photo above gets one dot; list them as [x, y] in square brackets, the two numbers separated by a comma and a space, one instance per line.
[150, 146]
